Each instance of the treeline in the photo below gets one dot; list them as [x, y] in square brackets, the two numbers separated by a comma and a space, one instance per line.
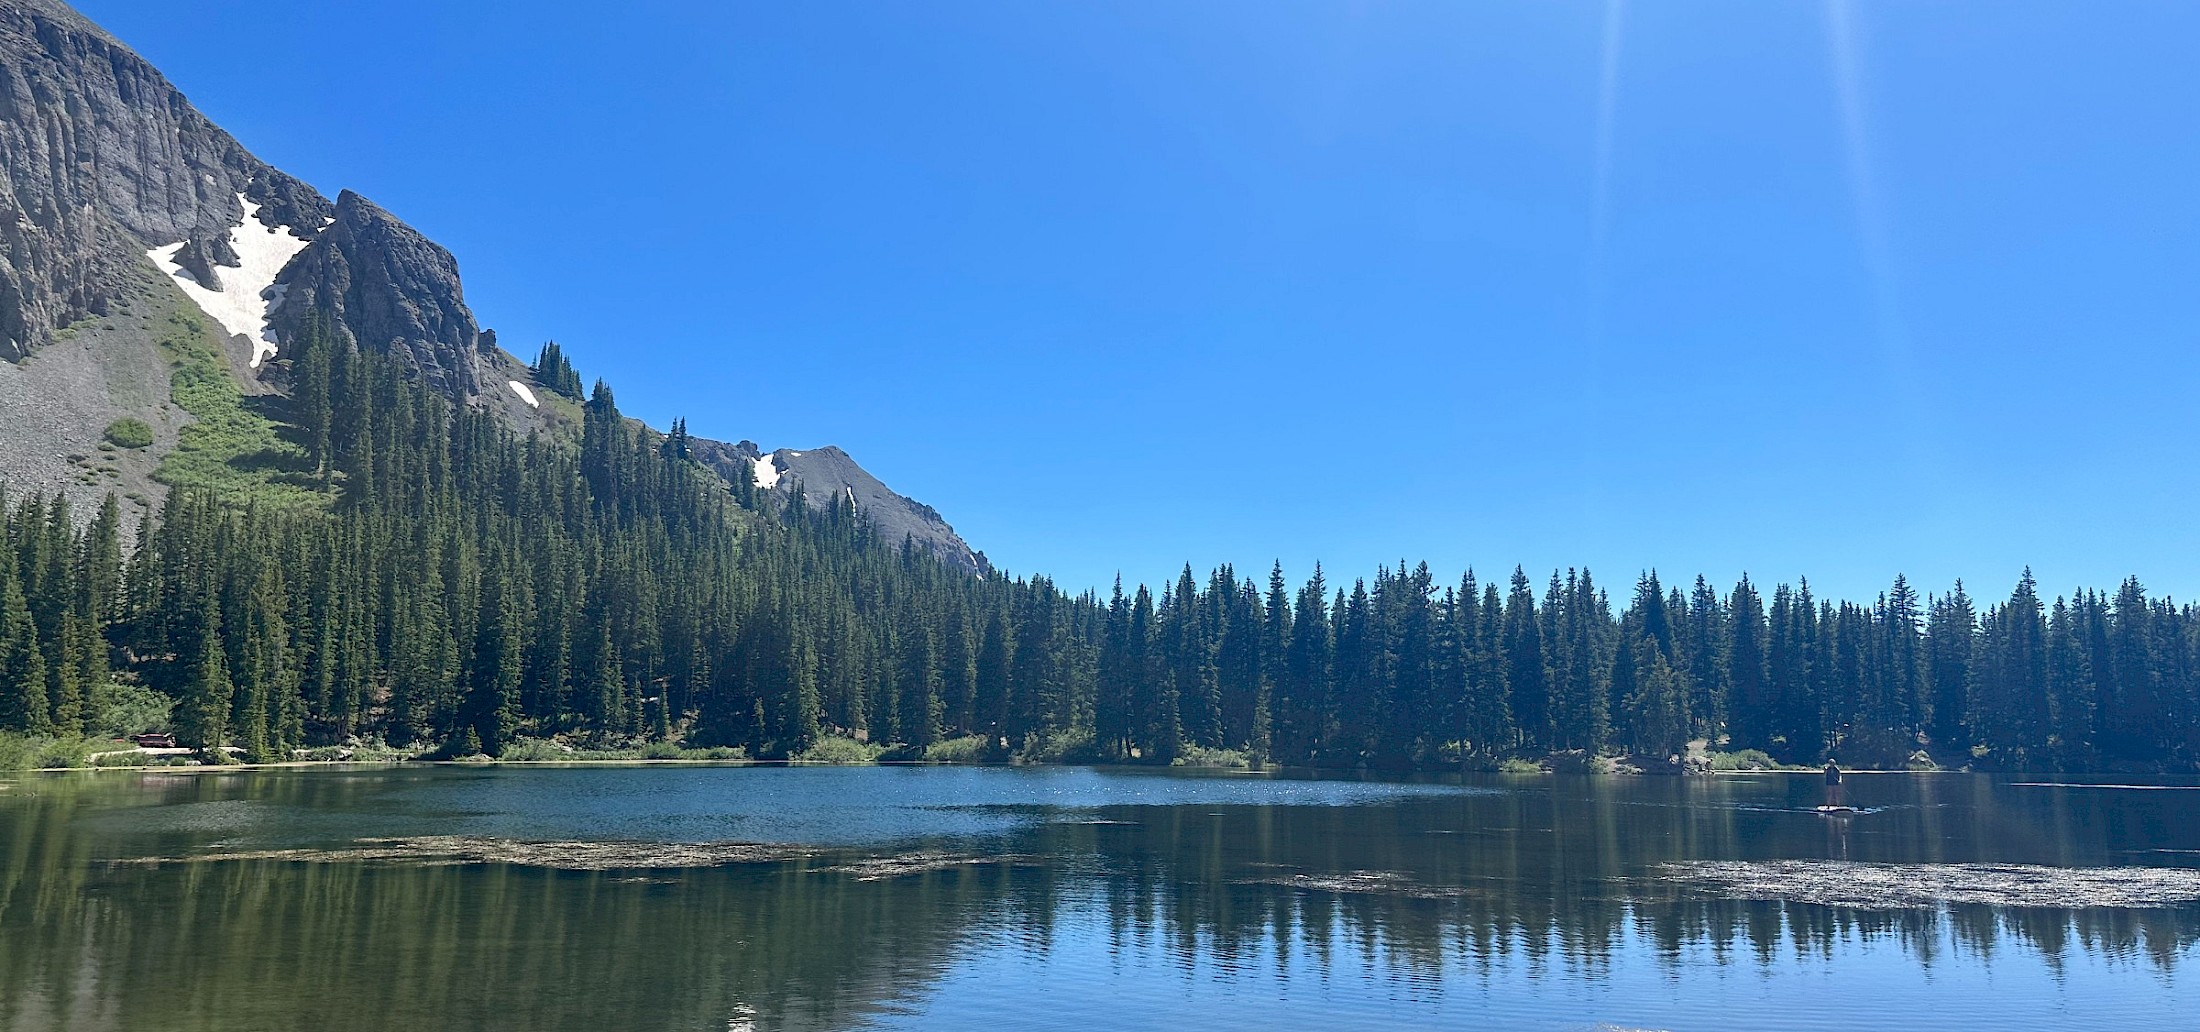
[1399, 673]
[466, 587]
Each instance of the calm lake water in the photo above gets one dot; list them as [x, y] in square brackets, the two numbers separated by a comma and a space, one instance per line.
[1065, 898]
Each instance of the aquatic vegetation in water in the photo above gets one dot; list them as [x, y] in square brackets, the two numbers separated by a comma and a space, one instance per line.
[457, 850]
[1864, 886]
[1359, 883]
[900, 866]
[451, 850]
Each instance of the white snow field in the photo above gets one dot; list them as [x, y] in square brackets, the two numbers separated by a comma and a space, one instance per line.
[767, 473]
[525, 395]
[247, 292]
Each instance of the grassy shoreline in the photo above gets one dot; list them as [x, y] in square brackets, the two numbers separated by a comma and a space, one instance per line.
[26, 754]
[743, 761]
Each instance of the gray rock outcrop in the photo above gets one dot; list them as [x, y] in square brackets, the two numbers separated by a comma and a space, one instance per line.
[101, 158]
[386, 286]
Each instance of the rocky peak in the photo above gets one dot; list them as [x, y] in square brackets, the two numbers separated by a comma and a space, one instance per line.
[826, 473]
[389, 287]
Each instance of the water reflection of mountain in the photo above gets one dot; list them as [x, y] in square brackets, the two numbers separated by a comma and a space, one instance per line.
[1554, 881]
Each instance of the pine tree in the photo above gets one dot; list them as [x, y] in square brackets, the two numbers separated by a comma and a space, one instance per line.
[992, 681]
[2008, 688]
[22, 664]
[1951, 641]
[1748, 684]
[202, 711]
[1709, 644]
[1275, 650]
[554, 372]
[493, 696]
[1120, 671]
[1154, 704]
[1580, 711]
[2071, 691]
[1191, 658]
[1303, 695]
[1527, 675]
[2135, 694]
[918, 686]
[1658, 707]
[1238, 661]
[958, 674]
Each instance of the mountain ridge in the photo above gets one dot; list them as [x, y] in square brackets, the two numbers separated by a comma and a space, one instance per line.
[106, 168]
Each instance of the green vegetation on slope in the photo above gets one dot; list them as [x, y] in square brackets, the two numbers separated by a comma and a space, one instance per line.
[231, 448]
[130, 432]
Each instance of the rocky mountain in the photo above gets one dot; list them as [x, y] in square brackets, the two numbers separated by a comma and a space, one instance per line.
[104, 160]
[828, 472]
[385, 285]
[141, 246]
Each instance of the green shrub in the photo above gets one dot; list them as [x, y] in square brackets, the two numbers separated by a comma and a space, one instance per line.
[526, 750]
[1219, 759]
[130, 432]
[1748, 759]
[33, 752]
[121, 709]
[1516, 765]
[835, 749]
[967, 749]
[716, 752]
[1065, 746]
[15, 751]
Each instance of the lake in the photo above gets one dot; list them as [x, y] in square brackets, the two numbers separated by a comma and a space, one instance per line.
[733, 898]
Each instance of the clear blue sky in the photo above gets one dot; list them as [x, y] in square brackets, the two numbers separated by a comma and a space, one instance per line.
[1785, 287]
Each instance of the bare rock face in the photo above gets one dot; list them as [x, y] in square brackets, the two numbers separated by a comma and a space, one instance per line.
[102, 158]
[387, 287]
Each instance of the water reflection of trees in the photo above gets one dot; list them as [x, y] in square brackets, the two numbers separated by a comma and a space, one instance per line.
[1480, 886]
[1565, 878]
[86, 944]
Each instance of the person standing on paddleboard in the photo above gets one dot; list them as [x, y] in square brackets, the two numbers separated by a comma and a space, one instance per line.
[1833, 783]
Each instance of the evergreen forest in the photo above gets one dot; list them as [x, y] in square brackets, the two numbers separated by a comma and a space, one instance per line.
[466, 589]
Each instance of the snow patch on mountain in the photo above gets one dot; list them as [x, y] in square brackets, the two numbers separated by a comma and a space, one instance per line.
[767, 472]
[243, 295]
[525, 395]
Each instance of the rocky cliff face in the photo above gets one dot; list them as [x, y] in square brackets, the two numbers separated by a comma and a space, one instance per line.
[100, 160]
[104, 160]
[385, 286]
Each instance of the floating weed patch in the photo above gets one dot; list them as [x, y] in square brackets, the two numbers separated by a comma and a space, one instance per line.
[455, 850]
[1861, 886]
